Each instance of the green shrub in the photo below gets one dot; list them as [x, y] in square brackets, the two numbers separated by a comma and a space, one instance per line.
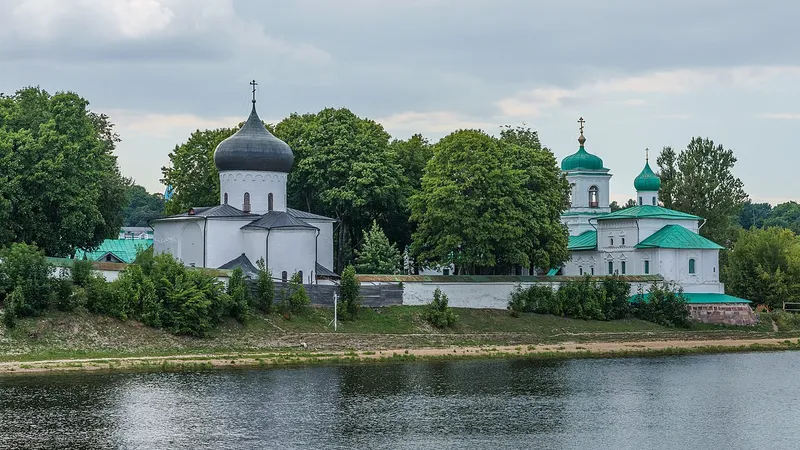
[25, 268]
[81, 271]
[63, 296]
[12, 304]
[349, 288]
[617, 293]
[535, 298]
[785, 321]
[438, 313]
[239, 295]
[298, 299]
[265, 288]
[664, 305]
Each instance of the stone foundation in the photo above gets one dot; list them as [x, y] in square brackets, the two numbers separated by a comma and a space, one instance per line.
[723, 314]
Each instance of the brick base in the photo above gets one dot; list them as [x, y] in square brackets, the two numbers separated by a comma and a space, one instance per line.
[723, 314]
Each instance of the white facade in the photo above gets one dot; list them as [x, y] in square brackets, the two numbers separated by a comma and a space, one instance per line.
[259, 187]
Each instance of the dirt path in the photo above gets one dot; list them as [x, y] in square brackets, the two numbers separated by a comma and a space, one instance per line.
[301, 356]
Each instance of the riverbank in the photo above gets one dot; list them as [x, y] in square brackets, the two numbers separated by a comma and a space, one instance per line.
[82, 341]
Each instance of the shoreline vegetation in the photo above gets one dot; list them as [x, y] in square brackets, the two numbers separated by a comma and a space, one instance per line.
[80, 341]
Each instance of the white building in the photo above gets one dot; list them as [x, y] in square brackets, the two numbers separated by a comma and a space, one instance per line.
[252, 220]
[646, 239]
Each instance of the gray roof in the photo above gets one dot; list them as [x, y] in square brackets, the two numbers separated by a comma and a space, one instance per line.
[278, 219]
[253, 147]
[241, 261]
[214, 211]
[307, 215]
[137, 229]
[323, 271]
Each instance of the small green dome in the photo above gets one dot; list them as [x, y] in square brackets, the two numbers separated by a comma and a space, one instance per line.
[582, 160]
[647, 180]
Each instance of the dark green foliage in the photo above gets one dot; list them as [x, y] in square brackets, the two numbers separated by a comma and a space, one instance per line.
[297, 300]
[12, 306]
[438, 313]
[785, 215]
[81, 271]
[239, 295]
[265, 288]
[60, 185]
[25, 269]
[617, 292]
[142, 207]
[538, 298]
[62, 292]
[665, 305]
[584, 299]
[349, 288]
[377, 254]
[754, 214]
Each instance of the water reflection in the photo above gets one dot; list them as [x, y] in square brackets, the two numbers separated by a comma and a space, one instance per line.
[678, 402]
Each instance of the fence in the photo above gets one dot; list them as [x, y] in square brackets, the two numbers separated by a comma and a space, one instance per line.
[389, 294]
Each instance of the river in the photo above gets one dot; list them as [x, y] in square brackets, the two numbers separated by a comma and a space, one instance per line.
[732, 401]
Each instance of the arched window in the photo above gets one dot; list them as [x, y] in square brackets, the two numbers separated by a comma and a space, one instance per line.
[246, 206]
[611, 240]
[225, 199]
[622, 267]
[611, 267]
[646, 267]
[654, 201]
[594, 195]
[691, 266]
[640, 201]
[580, 270]
[269, 202]
[284, 276]
[592, 268]
[300, 273]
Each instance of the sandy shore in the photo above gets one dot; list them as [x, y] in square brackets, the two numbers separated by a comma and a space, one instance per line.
[301, 356]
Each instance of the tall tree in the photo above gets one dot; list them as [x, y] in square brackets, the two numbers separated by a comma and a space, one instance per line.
[785, 215]
[60, 185]
[142, 206]
[411, 156]
[192, 172]
[489, 204]
[754, 214]
[701, 182]
[377, 254]
[342, 169]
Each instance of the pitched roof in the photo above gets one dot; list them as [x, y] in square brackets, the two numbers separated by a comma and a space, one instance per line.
[584, 241]
[676, 236]
[213, 211]
[648, 212]
[277, 219]
[244, 262]
[324, 272]
[700, 298]
[122, 249]
[296, 213]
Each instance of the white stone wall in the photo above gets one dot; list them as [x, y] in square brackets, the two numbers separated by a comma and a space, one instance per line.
[254, 245]
[258, 184]
[324, 241]
[292, 250]
[183, 239]
[673, 264]
[225, 240]
[580, 191]
[647, 198]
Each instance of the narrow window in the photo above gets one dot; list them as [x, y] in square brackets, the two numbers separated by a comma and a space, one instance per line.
[225, 199]
[269, 202]
[611, 267]
[594, 194]
[246, 206]
[646, 267]
[611, 239]
[691, 265]
[284, 276]
[622, 266]
[654, 201]
[623, 241]
[300, 272]
[580, 270]
[640, 201]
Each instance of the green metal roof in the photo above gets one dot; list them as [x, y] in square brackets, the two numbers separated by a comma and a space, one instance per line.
[676, 236]
[123, 249]
[582, 160]
[701, 298]
[648, 212]
[647, 180]
[584, 241]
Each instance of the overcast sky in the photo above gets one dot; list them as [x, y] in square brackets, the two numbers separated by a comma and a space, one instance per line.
[642, 74]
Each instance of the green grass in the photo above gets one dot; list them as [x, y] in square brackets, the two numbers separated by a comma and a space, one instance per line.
[82, 335]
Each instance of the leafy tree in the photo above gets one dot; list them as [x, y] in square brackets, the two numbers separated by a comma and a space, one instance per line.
[60, 186]
[81, 271]
[411, 156]
[265, 287]
[377, 254]
[616, 207]
[785, 215]
[142, 206]
[350, 288]
[664, 305]
[192, 173]
[298, 299]
[489, 205]
[343, 169]
[701, 182]
[754, 214]
[239, 295]
[438, 313]
[25, 270]
[764, 266]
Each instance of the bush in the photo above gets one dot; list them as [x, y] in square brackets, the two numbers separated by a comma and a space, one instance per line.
[239, 296]
[25, 269]
[664, 305]
[535, 298]
[265, 288]
[584, 299]
[438, 313]
[350, 300]
[617, 293]
[81, 271]
[12, 304]
[298, 300]
[63, 296]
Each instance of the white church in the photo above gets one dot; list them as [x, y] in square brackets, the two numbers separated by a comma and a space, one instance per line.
[646, 239]
[252, 220]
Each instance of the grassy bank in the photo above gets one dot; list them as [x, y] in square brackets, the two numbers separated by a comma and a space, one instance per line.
[80, 335]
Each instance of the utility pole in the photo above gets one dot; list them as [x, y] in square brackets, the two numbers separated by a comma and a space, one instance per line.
[335, 310]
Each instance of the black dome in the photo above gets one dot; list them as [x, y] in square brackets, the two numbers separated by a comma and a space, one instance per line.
[253, 147]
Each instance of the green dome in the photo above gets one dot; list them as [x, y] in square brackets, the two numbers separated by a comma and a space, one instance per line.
[647, 180]
[582, 160]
